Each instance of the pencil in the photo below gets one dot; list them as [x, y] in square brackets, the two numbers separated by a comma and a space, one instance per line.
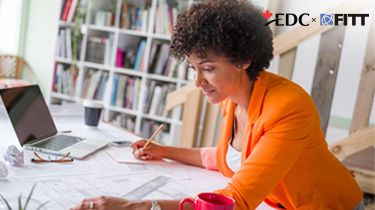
[153, 136]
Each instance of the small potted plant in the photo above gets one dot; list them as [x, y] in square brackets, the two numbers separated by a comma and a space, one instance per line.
[8, 206]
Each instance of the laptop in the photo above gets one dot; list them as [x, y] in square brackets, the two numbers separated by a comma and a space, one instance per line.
[35, 128]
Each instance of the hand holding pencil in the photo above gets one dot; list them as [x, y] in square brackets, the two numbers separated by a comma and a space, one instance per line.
[145, 150]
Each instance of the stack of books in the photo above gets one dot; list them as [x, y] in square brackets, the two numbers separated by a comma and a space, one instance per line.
[166, 15]
[125, 91]
[94, 84]
[64, 44]
[132, 57]
[99, 49]
[64, 79]
[104, 18]
[161, 62]
[155, 97]
[69, 10]
[134, 18]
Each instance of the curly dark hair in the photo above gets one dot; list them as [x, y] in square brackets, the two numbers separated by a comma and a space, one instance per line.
[233, 28]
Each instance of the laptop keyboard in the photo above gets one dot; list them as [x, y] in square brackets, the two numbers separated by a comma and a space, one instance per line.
[58, 142]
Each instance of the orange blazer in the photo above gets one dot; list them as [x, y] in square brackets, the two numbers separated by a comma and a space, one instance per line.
[285, 158]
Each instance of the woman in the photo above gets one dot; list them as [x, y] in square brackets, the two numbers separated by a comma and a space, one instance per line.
[271, 144]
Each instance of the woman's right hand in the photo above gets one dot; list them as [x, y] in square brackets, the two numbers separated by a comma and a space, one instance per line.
[153, 151]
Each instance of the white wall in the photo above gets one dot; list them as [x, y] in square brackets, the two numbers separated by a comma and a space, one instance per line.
[40, 37]
[10, 18]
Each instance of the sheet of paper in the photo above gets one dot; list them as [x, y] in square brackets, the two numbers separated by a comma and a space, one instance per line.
[125, 156]
[104, 162]
[64, 192]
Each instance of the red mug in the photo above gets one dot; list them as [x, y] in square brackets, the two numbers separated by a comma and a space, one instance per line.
[210, 201]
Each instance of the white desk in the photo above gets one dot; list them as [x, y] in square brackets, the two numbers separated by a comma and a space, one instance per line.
[99, 166]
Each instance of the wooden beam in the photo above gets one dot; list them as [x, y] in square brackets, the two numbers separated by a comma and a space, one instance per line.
[190, 118]
[286, 63]
[292, 38]
[356, 142]
[209, 125]
[326, 72]
[364, 178]
[178, 97]
[366, 90]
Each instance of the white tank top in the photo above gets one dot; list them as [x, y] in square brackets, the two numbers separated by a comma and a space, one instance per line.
[233, 158]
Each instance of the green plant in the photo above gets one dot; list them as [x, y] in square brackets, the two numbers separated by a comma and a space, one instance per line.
[81, 11]
[20, 203]
[114, 3]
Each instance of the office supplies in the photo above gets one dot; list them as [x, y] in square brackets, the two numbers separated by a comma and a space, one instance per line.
[125, 156]
[146, 189]
[35, 127]
[42, 160]
[153, 136]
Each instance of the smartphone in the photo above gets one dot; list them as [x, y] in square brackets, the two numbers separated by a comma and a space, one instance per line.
[121, 143]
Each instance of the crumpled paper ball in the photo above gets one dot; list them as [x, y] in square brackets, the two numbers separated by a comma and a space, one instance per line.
[3, 170]
[14, 156]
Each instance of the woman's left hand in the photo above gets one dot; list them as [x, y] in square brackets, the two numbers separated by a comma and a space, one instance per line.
[110, 203]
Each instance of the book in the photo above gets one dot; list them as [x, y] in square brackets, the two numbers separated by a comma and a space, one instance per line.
[57, 49]
[66, 10]
[68, 43]
[114, 89]
[63, 2]
[54, 78]
[155, 59]
[148, 96]
[62, 43]
[144, 20]
[110, 37]
[72, 11]
[96, 50]
[162, 59]
[109, 19]
[86, 83]
[161, 105]
[138, 19]
[119, 60]
[100, 18]
[155, 100]
[106, 52]
[93, 84]
[139, 54]
[121, 90]
[124, 15]
[100, 86]
[133, 19]
[125, 155]
[136, 90]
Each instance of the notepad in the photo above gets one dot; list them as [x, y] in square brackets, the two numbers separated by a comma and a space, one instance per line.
[125, 156]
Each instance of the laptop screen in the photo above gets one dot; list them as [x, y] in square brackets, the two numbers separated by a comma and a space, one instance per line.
[28, 113]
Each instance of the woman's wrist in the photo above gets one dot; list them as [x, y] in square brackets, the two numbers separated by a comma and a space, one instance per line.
[166, 152]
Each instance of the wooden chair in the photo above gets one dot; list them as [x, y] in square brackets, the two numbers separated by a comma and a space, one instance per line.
[358, 148]
[11, 67]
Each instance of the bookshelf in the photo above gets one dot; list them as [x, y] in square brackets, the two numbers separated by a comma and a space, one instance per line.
[105, 73]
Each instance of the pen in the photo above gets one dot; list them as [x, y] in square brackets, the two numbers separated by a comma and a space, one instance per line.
[153, 136]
